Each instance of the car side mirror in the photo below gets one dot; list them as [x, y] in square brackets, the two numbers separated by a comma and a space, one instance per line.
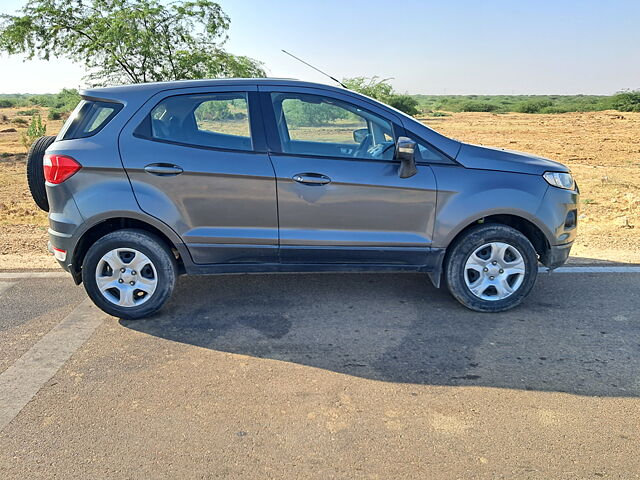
[360, 134]
[406, 154]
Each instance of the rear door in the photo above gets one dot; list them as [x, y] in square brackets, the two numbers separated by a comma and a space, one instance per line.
[340, 199]
[197, 161]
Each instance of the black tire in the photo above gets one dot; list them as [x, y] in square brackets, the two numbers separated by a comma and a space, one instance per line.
[467, 244]
[35, 172]
[150, 245]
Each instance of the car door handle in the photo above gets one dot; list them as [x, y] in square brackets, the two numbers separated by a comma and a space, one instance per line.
[163, 169]
[311, 178]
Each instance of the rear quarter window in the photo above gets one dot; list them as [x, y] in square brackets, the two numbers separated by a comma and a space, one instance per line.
[88, 118]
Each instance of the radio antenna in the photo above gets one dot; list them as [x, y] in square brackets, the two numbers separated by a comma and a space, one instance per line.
[316, 69]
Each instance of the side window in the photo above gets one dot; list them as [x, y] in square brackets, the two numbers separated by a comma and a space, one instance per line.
[323, 126]
[219, 120]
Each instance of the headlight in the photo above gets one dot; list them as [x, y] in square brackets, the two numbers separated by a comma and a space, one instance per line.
[560, 180]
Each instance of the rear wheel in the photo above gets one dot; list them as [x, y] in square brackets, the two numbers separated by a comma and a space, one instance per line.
[35, 171]
[129, 273]
[491, 268]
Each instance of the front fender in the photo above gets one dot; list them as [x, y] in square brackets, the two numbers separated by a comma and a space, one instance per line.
[467, 195]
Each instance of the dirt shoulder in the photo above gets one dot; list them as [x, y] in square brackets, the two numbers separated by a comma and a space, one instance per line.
[602, 149]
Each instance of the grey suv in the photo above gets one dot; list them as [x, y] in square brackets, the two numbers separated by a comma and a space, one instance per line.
[149, 181]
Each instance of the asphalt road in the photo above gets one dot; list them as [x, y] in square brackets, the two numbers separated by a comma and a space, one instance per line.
[330, 376]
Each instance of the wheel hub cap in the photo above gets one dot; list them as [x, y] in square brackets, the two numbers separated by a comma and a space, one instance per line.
[494, 271]
[126, 277]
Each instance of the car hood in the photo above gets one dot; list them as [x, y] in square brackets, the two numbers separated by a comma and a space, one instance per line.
[488, 158]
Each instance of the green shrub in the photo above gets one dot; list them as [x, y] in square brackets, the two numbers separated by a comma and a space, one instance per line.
[477, 106]
[381, 90]
[438, 114]
[627, 101]
[373, 87]
[508, 103]
[35, 130]
[6, 103]
[54, 114]
[303, 114]
[553, 109]
[532, 106]
[28, 113]
[65, 101]
[20, 121]
[404, 103]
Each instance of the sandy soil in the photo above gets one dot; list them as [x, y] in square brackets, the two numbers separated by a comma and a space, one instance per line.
[602, 149]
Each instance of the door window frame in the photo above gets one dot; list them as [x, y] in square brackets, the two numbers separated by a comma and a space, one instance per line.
[255, 117]
[273, 134]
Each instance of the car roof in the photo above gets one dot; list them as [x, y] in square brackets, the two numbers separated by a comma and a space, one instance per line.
[153, 87]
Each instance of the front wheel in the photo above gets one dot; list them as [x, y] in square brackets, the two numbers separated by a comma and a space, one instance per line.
[491, 268]
[129, 273]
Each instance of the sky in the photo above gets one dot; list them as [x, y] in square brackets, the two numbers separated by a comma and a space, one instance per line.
[430, 46]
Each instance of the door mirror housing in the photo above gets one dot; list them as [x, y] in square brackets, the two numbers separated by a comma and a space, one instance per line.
[406, 154]
[360, 134]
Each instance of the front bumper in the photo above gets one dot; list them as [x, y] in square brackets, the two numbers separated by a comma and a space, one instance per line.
[556, 256]
[559, 213]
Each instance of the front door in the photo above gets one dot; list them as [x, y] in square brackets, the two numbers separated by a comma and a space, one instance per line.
[340, 199]
[196, 160]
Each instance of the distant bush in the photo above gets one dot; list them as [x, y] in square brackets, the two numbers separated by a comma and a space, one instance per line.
[511, 103]
[20, 121]
[532, 106]
[555, 110]
[54, 114]
[404, 103]
[373, 87]
[476, 106]
[627, 101]
[303, 114]
[28, 113]
[381, 90]
[438, 114]
[64, 101]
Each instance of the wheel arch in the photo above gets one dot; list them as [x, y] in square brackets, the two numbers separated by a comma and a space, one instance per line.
[102, 226]
[528, 228]
[534, 233]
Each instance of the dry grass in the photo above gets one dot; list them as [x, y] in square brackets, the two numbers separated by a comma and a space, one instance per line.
[602, 149]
